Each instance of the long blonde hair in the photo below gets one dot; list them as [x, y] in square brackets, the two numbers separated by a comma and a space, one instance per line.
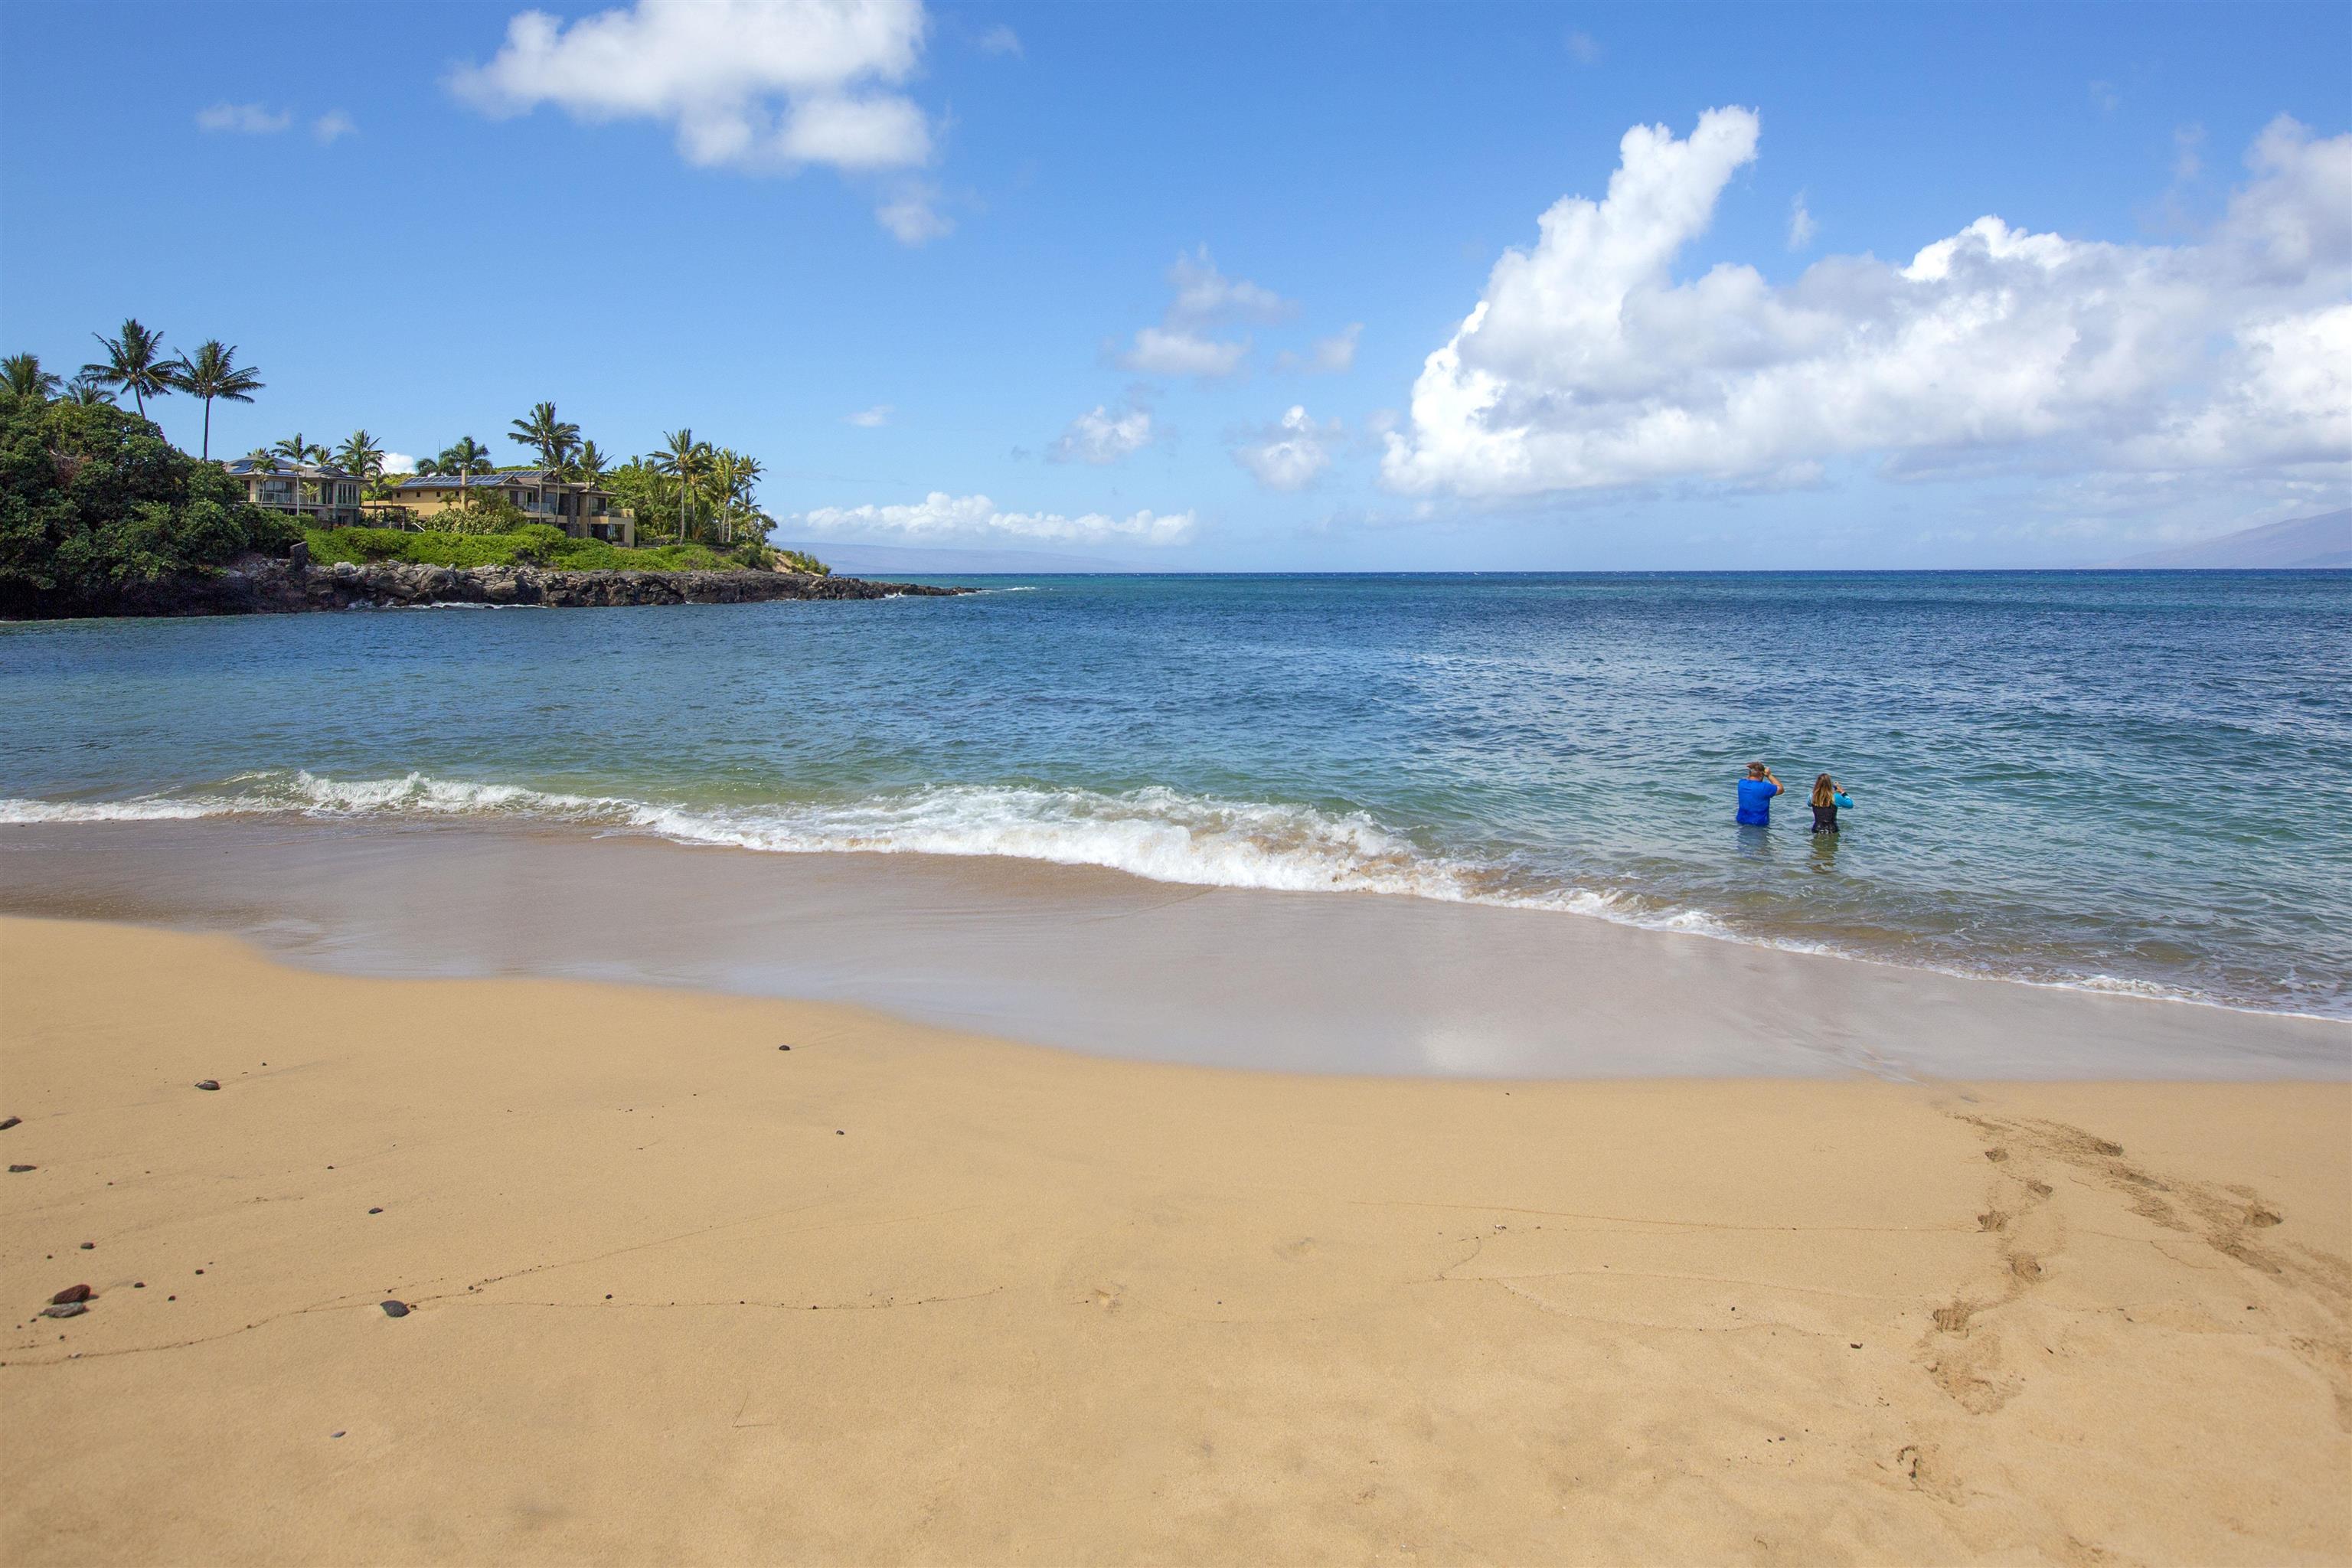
[1824, 790]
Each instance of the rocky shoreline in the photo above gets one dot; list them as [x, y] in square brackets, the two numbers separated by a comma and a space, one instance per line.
[264, 585]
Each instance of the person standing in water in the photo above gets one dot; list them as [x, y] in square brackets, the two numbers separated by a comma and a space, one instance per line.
[1827, 798]
[1756, 793]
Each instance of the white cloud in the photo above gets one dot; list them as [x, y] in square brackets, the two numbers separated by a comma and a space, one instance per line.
[1001, 41]
[872, 418]
[1103, 436]
[1582, 47]
[1288, 454]
[332, 127]
[1164, 351]
[1801, 225]
[399, 463]
[244, 119]
[911, 217]
[1334, 355]
[1586, 364]
[1204, 296]
[745, 84]
[940, 516]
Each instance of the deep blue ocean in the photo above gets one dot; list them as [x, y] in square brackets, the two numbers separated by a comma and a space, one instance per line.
[2139, 781]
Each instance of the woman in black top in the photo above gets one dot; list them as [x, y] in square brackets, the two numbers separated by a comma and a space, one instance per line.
[1827, 798]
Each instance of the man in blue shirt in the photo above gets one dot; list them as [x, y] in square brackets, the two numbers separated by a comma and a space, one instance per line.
[1756, 793]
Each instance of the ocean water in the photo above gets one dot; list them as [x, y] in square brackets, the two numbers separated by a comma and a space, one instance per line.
[2134, 781]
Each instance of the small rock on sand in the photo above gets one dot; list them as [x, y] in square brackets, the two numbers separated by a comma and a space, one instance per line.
[395, 1308]
[20, 1170]
[70, 1293]
[89, 1246]
[65, 1310]
[375, 1211]
[207, 1083]
[13, 1119]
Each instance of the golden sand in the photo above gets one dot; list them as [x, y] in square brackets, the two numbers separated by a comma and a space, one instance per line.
[898, 1295]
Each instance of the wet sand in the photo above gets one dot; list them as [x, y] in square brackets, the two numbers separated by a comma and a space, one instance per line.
[904, 1294]
[1104, 963]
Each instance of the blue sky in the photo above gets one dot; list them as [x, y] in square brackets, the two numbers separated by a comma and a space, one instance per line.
[1075, 265]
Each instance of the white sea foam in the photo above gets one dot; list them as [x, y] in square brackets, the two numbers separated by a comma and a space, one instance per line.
[1155, 833]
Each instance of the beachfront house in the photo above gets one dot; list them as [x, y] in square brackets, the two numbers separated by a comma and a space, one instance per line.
[578, 508]
[314, 493]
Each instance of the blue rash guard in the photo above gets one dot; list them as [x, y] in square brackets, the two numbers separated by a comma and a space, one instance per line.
[1756, 801]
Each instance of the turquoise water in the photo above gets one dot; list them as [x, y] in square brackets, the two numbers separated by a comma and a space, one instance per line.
[2129, 781]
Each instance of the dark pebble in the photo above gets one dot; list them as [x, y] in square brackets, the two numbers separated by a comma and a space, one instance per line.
[395, 1308]
[20, 1170]
[70, 1293]
[334, 1434]
[837, 1133]
[375, 1211]
[1853, 1346]
[139, 1284]
[89, 1246]
[70, 1310]
[778, 1047]
[13, 1119]
[207, 1083]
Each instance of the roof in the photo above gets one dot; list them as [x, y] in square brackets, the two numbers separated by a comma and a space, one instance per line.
[486, 477]
[244, 467]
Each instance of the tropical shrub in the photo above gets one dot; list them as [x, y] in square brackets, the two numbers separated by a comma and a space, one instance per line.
[92, 499]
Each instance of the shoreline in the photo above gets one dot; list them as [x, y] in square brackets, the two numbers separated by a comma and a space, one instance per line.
[270, 585]
[911, 1294]
[1097, 960]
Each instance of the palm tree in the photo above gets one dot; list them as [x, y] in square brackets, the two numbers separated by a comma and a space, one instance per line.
[683, 459]
[732, 476]
[25, 377]
[360, 455]
[262, 460]
[215, 372]
[553, 438]
[467, 458]
[294, 449]
[134, 362]
[588, 464]
[85, 393]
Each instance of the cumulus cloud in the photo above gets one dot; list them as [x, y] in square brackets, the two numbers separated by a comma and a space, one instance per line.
[332, 127]
[872, 418]
[745, 84]
[941, 516]
[912, 218]
[1800, 224]
[1289, 454]
[244, 119]
[1201, 297]
[399, 463]
[1166, 351]
[1001, 41]
[1102, 436]
[1587, 364]
[1204, 296]
[1333, 355]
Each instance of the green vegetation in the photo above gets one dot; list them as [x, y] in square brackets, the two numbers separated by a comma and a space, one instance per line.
[214, 374]
[93, 498]
[533, 544]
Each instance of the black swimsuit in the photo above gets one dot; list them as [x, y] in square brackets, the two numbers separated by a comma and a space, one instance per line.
[1825, 819]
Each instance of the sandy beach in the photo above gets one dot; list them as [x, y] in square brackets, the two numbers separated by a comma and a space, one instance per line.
[901, 1294]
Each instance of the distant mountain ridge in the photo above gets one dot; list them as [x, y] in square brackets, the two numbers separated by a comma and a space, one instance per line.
[2302, 544]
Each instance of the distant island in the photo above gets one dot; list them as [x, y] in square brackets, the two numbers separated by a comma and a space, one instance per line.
[2305, 544]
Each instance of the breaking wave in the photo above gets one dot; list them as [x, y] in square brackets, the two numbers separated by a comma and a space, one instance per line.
[1155, 833]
